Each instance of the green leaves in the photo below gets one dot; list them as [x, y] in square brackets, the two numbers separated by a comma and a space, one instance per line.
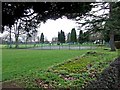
[52, 10]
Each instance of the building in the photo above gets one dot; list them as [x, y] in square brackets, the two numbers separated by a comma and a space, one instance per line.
[55, 40]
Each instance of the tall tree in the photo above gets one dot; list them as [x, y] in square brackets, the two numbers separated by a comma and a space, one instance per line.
[86, 36]
[61, 37]
[113, 23]
[81, 37]
[106, 22]
[73, 36]
[42, 38]
[68, 37]
[17, 31]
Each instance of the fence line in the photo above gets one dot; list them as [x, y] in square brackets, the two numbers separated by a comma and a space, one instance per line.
[55, 46]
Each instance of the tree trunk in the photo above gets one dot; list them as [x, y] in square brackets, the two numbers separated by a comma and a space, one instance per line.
[10, 39]
[16, 40]
[112, 42]
[16, 36]
[26, 42]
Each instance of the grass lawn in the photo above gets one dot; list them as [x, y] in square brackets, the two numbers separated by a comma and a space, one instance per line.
[17, 62]
[77, 72]
[54, 68]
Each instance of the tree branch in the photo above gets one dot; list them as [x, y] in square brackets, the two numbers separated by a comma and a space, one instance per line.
[29, 19]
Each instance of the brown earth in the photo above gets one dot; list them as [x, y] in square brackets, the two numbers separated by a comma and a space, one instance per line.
[109, 79]
[12, 85]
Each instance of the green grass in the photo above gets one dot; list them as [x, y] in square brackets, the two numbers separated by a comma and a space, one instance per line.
[73, 73]
[56, 68]
[17, 62]
[5, 46]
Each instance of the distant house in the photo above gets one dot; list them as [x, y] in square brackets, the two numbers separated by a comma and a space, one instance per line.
[97, 38]
[55, 40]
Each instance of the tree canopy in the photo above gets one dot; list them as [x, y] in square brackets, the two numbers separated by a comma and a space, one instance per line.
[45, 10]
[108, 23]
[42, 38]
[73, 36]
[61, 37]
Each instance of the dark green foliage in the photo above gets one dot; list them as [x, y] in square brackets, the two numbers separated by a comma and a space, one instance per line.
[81, 38]
[112, 24]
[86, 36]
[42, 38]
[68, 38]
[117, 44]
[117, 37]
[73, 36]
[61, 37]
[106, 35]
[14, 10]
[107, 38]
[11, 12]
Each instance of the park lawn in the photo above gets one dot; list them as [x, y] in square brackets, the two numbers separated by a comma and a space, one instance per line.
[21, 62]
[73, 73]
[21, 46]
[54, 68]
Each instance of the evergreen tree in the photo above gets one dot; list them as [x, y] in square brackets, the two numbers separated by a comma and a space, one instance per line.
[112, 24]
[86, 36]
[61, 37]
[68, 38]
[42, 38]
[73, 36]
[81, 37]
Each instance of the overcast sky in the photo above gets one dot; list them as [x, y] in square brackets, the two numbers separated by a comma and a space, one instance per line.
[51, 28]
